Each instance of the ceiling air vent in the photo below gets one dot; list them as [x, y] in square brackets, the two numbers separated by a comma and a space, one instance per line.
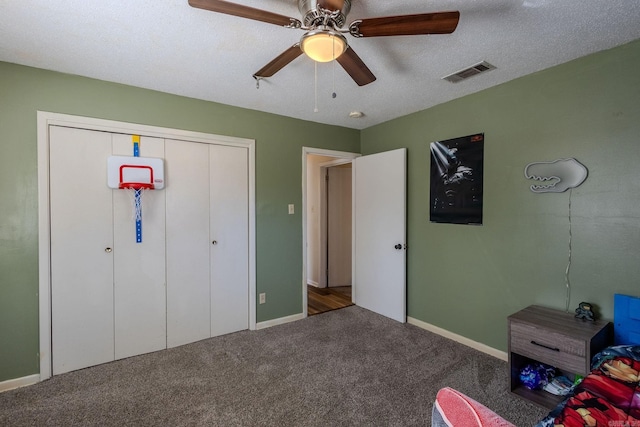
[476, 69]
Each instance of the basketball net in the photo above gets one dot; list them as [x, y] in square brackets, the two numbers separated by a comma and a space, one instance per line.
[136, 191]
[136, 196]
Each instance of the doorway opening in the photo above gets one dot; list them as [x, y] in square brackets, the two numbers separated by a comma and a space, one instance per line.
[327, 230]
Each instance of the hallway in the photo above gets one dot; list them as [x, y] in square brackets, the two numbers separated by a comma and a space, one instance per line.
[321, 300]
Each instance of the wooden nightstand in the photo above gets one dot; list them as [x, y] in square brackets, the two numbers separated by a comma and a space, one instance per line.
[556, 338]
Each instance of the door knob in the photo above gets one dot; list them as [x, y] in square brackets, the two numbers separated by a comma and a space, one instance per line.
[398, 246]
[108, 250]
[215, 242]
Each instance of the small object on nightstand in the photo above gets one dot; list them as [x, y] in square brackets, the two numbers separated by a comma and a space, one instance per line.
[584, 312]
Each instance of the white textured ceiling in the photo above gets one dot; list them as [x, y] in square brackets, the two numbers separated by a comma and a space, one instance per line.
[171, 47]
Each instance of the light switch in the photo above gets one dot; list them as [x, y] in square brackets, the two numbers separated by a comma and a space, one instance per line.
[291, 210]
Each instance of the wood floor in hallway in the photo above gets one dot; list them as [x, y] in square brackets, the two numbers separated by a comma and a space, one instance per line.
[321, 300]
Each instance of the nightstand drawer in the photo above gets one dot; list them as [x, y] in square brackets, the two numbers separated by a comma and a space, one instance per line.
[552, 348]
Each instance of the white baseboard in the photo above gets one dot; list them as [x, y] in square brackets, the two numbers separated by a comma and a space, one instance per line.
[19, 382]
[313, 283]
[280, 321]
[459, 338]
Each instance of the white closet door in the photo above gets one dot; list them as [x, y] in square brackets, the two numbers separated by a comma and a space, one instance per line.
[187, 280]
[188, 244]
[81, 256]
[139, 274]
[230, 230]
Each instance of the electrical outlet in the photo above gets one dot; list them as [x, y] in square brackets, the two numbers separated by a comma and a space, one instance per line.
[291, 210]
[263, 298]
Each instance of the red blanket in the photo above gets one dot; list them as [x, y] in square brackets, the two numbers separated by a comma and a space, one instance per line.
[608, 397]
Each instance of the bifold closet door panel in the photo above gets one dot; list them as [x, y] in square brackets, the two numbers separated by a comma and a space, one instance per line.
[81, 249]
[230, 230]
[139, 273]
[188, 243]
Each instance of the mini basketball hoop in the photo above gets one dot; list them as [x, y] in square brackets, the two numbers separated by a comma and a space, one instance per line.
[136, 175]
[135, 172]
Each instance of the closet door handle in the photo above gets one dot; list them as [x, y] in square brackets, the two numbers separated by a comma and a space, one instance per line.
[215, 242]
[108, 250]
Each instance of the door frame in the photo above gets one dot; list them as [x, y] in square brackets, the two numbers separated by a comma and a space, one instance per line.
[344, 156]
[46, 119]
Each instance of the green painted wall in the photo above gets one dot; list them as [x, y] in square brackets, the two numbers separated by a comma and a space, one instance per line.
[468, 279]
[465, 279]
[279, 142]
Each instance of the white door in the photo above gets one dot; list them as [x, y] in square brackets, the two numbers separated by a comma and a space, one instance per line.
[229, 235]
[140, 301]
[339, 219]
[188, 244]
[82, 319]
[380, 233]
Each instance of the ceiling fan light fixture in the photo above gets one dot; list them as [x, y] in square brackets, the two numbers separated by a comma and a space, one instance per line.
[323, 45]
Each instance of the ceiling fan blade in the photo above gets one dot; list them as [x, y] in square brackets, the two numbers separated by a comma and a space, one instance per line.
[242, 11]
[279, 62]
[354, 66]
[406, 25]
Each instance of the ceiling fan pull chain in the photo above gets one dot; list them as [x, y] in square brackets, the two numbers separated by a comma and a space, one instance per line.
[333, 73]
[333, 80]
[315, 86]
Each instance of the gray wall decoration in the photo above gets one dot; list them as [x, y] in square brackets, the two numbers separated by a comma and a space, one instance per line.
[556, 176]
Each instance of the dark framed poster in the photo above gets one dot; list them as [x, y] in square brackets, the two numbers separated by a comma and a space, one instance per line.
[456, 180]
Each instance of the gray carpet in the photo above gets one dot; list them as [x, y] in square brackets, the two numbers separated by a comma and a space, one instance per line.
[348, 367]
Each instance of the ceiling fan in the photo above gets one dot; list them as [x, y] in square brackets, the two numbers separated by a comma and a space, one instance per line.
[323, 41]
